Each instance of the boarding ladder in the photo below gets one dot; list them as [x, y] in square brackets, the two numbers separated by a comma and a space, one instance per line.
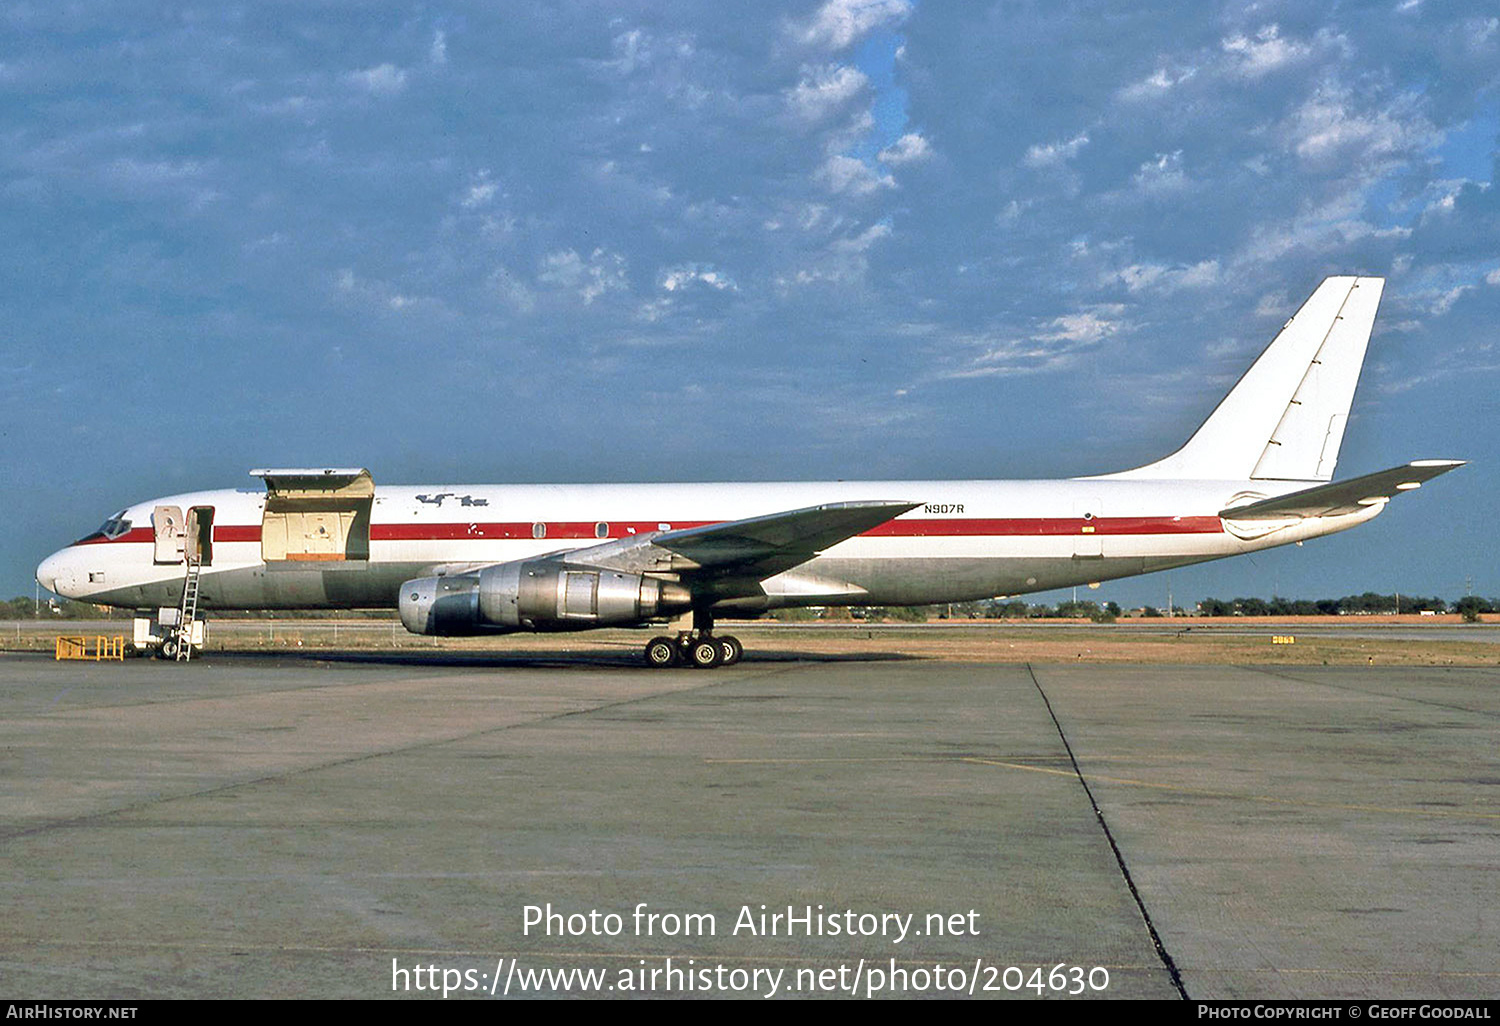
[188, 610]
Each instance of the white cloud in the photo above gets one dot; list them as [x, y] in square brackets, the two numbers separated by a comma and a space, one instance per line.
[632, 51]
[1479, 30]
[823, 91]
[655, 310]
[1445, 195]
[1274, 304]
[838, 23]
[678, 278]
[481, 192]
[512, 290]
[1054, 344]
[153, 172]
[591, 278]
[1316, 229]
[437, 53]
[864, 240]
[636, 50]
[1086, 326]
[1445, 300]
[1164, 278]
[911, 148]
[855, 177]
[846, 259]
[1056, 154]
[1164, 174]
[1327, 127]
[381, 80]
[1156, 84]
[376, 295]
[1493, 278]
[1266, 52]
[287, 106]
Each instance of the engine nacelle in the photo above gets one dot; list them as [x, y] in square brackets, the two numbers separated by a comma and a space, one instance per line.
[536, 595]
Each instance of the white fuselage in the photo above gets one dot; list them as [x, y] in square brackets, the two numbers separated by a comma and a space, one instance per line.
[968, 539]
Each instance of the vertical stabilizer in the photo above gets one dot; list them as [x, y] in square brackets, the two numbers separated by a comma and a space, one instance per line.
[1285, 418]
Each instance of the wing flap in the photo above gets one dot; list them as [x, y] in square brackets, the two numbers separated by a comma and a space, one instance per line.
[1343, 497]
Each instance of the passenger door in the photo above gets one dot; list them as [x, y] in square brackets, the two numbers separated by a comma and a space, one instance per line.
[171, 534]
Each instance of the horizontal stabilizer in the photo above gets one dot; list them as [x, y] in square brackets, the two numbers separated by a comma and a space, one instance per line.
[1343, 497]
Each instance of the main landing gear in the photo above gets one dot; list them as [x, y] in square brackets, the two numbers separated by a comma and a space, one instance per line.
[700, 647]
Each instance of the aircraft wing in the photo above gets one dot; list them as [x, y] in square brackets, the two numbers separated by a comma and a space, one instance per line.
[758, 547]
[779, 541]
[1341, 497]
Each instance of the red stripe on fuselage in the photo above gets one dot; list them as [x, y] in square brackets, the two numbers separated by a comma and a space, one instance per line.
[957, 527]
[554, 530]
[135, 534]
[222, 532]
[1038, 526]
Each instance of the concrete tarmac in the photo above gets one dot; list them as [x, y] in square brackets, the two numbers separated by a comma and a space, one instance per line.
[282, 826]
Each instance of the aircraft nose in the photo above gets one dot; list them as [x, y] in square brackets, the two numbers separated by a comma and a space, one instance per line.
[51, 569]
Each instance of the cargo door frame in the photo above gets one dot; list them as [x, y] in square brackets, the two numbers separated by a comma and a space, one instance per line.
[199, 541]
[316, 515]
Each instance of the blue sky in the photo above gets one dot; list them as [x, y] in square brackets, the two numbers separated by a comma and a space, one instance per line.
[654, 241]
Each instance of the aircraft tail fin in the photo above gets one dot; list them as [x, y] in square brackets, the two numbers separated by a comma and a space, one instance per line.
[1284, 420]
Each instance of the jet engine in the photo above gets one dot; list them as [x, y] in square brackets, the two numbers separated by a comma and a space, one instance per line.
[536, 595]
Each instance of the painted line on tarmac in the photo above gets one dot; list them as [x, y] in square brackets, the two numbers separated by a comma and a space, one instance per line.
[1167, 961]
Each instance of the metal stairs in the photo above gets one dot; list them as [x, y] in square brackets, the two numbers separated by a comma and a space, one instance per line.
[188, 610]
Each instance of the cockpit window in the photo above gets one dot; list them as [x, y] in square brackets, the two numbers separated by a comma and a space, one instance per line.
[114, 526]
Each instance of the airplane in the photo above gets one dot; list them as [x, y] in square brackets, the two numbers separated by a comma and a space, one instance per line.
[468, 560]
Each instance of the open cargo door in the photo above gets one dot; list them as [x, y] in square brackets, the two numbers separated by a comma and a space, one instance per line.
[316, 515]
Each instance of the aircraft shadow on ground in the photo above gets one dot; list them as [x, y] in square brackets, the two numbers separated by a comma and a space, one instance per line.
[558, 659]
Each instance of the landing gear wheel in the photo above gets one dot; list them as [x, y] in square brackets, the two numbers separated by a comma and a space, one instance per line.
[705, 653]
[662, 652]
[732, 649]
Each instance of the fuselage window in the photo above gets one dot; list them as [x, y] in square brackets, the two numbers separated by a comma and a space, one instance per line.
[601, 530]
[539, 530]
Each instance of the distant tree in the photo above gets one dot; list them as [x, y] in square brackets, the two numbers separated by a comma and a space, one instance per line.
[1471, 606]
[1216, 607]
[901, 614]
[1087, 610]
